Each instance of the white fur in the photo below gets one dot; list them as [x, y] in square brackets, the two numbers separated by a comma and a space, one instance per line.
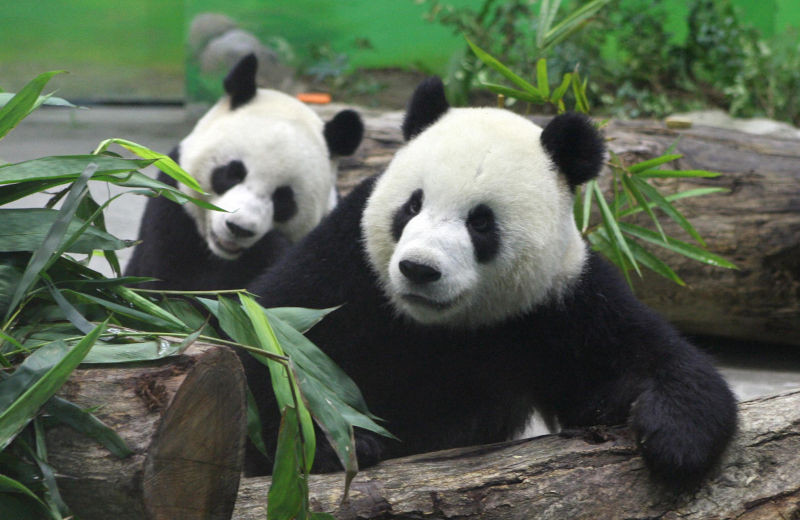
[470, 157]
[280, 142]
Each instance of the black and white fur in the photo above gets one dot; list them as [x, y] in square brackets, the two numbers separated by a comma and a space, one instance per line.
[267, 159]
[470, 300]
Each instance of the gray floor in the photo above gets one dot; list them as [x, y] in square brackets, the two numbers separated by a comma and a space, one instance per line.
[54, 131]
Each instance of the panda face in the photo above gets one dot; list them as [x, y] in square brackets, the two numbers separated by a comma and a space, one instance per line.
[471, 223]
[266, 163]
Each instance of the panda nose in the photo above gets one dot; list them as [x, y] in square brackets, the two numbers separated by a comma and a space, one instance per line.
[419, 273]
[239, 231]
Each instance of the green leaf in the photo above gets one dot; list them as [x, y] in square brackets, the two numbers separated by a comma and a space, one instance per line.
[161, 161]
[67, 168]
[586, 212]
[688, 250]
[123, 310]
[634, 190]
[49, 245]
[25, 229]
[492, 62]
[651, 174]
[14, 418]
[110, 353]
[9, 485]
[653, 163]
[20, 105]
[653, 194]
[579, 91]
[48, 100]
[514, 93]
[142, 303]
[696, 192]
[288, 493]
[254, 427]
[571, 23]
[87, 424]
[646, 258]
[541, 78]
[299, 318]
[71, 313]
[558, 93]
[611, 225]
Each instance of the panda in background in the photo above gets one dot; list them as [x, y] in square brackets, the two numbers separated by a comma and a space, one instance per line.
[267, 159]
[470, 299]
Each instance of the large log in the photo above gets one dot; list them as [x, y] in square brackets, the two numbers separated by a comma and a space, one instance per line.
[756, 224]
[184, 419]
[553, 477]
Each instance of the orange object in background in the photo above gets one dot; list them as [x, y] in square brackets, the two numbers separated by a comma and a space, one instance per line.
[317, 98]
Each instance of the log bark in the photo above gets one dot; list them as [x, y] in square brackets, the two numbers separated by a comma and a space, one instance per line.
[756, 224]
[552, 477]
[184, 418]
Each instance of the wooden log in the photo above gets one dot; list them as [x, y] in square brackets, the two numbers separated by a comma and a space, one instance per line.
[552, 477]
[756, 224]
[184, 418]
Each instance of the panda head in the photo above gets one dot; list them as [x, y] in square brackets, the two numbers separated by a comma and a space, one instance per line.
[265, 158]
[472, 223]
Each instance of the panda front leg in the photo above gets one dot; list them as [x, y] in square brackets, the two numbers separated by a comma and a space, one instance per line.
[683, 418]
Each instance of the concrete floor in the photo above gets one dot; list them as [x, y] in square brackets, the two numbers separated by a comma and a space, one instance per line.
[57, 131]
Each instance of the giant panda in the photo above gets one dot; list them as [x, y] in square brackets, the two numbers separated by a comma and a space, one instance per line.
[267, 159]
[469, 300]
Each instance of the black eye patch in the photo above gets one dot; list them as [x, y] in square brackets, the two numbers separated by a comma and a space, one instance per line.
[405, 213]
[226, 177]
[483, 232]
[283, 204]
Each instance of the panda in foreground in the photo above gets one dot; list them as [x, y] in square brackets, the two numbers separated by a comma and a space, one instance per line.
[267, 159]
[470, 299]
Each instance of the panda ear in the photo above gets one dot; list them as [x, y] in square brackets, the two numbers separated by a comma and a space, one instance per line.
[240, 83]
[343, 133]
[575, 145]
[427, 104]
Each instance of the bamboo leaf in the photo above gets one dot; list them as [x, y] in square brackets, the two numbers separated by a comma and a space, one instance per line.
[571, 23]
[652, 163]
[647, 259]
[587, 204]
[633, 189]
[515, 94]
[653, 173]
[21, 104]
[142, 303]
[665, 206]
[9, 485]
[558, 93]
[288, 493]
[67, 168]
[14, 418]
[89, 425]
[688, 250]
[492, 62]
[541, 78]
[696, 192]
[612, 226]
[24, 229]
[161, 161]
[300, 319]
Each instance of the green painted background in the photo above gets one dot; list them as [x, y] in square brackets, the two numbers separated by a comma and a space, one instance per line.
[135, 50]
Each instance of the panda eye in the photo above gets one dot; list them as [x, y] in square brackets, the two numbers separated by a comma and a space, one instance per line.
[227, 176]
[481, 219]
[414, 204]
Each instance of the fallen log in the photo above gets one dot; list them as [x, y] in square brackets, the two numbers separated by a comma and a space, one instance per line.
[184, 419]
[552, 477]
[756, 224]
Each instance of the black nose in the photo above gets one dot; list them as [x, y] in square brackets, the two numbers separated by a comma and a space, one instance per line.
[419, 273]
[239, 231]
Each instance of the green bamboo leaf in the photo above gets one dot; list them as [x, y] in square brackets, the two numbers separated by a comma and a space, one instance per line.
[24, 229]
[142, 303]
[71, 313]
[254, 426]
[541, 78]
[688, 250]
[558, 93]
[612, 226]
[123, 310]
[696, 192]
[48, 100]
[113, 353]
[89, 425]
[652, 163]
[52, 495]
[9, 485]
[547, 14]
[299, 318]
[161, 161]
[652, 173]
[139, 180]
[571, 23]
[647, 259]
[514, 93]
[578, 90]
[492, 62]
[67, 168]
[21, 104]
[288, 493]
[49, 245]
[587, 204]
[14, 418]
[634, 190]
[665, 206]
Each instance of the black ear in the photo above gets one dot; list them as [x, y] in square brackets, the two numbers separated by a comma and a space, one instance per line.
[240, 83]
[343, 133]
[575, 145]
[427, 104]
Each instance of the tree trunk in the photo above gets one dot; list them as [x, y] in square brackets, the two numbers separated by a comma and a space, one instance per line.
[756, 224]
[184, 418]
[556, 478]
